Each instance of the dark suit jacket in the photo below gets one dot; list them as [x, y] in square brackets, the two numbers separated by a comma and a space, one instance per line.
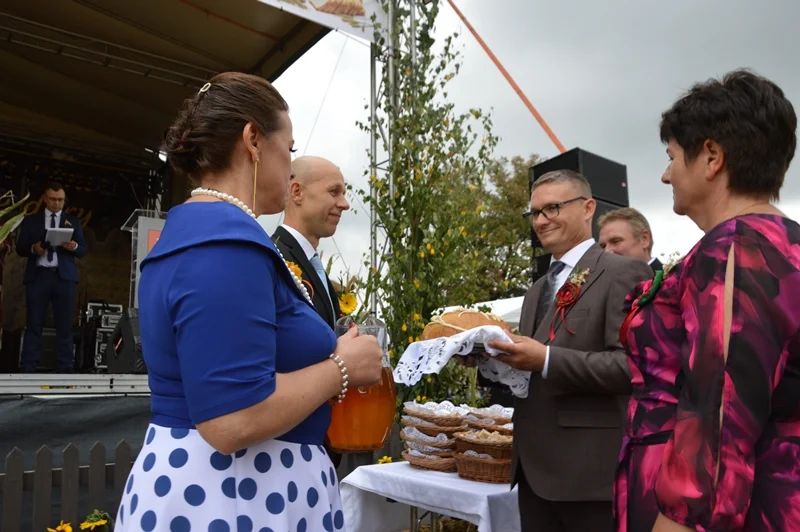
[292, 251]
[32, 230]
[568, 431]
[656, 265]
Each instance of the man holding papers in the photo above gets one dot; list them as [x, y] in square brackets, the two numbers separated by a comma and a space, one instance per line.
[51, 240]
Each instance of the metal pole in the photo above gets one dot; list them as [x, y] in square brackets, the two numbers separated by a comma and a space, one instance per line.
[413, 44]
[391, 88]
[373, 169]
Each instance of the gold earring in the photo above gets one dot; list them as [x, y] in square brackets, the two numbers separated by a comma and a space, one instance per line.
[255, 184]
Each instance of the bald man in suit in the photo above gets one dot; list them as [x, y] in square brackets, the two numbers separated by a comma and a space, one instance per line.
[315, 206]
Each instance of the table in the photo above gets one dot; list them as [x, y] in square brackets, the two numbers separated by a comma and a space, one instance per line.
[366, 508]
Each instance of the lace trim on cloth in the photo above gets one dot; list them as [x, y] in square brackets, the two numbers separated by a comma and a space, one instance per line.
[430, 356]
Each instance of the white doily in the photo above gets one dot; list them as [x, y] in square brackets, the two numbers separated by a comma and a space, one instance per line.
[430, 356]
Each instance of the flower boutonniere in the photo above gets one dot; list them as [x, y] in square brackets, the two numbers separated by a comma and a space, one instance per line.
[298, 272]
[295, 269]
[67, 223]
[566, 296]
[648, 294]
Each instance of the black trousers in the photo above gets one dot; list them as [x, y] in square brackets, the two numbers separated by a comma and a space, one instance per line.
[45, 289]
[540, 515]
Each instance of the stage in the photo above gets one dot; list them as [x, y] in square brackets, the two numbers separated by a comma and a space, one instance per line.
[73, 384]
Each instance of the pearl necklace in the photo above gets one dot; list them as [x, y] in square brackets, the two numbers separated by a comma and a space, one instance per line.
[239, 203]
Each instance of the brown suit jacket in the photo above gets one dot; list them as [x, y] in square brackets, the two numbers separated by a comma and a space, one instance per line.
[567, 432]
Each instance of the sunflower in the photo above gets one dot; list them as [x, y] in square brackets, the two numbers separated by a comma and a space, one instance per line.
[63, 527]
[348, 303]
[295, 269]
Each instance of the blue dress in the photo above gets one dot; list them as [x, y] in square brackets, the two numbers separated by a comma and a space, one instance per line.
[220, 316]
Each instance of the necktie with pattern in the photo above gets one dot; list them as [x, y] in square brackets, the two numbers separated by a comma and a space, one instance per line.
[548, 293]
[50, 249]
[320, 269]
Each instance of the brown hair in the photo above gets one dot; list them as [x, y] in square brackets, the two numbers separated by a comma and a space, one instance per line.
[637, 221]
[203, 136]
[750, 117]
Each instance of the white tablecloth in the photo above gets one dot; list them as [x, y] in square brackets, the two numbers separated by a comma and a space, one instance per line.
[493, 507]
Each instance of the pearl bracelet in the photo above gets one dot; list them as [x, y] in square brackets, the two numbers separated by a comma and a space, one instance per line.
[345, 377]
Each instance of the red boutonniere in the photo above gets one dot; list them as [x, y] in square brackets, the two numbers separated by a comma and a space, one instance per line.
[566, 297]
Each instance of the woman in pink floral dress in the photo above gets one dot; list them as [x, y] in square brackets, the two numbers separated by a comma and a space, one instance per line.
[712, 440]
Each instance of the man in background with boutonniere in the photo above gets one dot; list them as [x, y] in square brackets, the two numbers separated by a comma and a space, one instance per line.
[315, 205]
[567, 432]
[627, 232]
[51, 277]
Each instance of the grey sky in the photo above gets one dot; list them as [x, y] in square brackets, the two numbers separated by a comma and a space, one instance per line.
[600, 73]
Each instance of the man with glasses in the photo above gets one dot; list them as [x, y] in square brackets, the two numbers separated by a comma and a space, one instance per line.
[51, 277]
[568, 430]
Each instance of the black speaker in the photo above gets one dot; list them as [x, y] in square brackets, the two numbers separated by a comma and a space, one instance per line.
[609, 182]
[124, 348]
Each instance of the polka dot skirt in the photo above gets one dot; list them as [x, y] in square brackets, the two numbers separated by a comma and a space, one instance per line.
[180, 484]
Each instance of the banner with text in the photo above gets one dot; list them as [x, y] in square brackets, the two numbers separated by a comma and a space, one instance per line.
[350, 16]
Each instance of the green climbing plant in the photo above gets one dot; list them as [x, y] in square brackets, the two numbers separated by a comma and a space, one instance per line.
[431, 200]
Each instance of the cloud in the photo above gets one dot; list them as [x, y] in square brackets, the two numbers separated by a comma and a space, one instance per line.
[599, 73]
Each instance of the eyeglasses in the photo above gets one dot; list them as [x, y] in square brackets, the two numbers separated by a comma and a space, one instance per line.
[549, 211]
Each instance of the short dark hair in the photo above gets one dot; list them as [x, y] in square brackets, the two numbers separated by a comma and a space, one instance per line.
[204, 134]
[565, 176]
[55, 186]
[749, 116]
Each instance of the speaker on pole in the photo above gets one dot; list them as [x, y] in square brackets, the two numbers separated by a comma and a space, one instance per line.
[609, 182]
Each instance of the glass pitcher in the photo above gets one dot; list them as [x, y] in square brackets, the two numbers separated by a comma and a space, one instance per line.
[363, 420]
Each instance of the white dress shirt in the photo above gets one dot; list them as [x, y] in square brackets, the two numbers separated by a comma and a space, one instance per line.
[42, 261]
[570, 259]
[308, 249]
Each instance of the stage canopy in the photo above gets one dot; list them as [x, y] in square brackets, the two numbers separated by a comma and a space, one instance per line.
[110, 74]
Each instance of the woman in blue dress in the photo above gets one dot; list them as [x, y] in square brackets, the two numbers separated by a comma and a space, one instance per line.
[241, 368]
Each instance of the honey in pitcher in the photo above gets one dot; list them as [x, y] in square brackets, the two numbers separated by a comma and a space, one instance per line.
[363, 420]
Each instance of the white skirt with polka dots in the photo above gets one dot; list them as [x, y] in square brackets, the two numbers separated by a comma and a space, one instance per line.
[180, 484]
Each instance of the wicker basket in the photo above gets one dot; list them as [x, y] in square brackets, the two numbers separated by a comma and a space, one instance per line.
[478, 426]
[483, 469]
[452, 420]
[449, 444]
[505, 432]
[498, 420]
[435, 431]
[445, 453]
[500, 451]
[445, 465]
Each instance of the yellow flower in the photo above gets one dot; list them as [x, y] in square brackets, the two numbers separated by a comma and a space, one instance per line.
[417, 284]
[417, 317]
[429, 380]
[427, 246]
[410, 339]
[295, 269]
[91, 526]
[62, 527]
[417, 338]
[422, 254]
[348, 303]
[385, 460]
[433, 251]
[404, 327]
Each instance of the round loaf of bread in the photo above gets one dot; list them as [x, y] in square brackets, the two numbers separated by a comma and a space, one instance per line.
[460, 320]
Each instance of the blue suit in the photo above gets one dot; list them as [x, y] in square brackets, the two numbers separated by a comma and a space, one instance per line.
[46, 285]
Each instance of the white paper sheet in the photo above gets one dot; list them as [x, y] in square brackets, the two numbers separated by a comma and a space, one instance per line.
[58, 235]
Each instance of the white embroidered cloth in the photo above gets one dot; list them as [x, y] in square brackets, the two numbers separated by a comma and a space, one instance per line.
[430, 356]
